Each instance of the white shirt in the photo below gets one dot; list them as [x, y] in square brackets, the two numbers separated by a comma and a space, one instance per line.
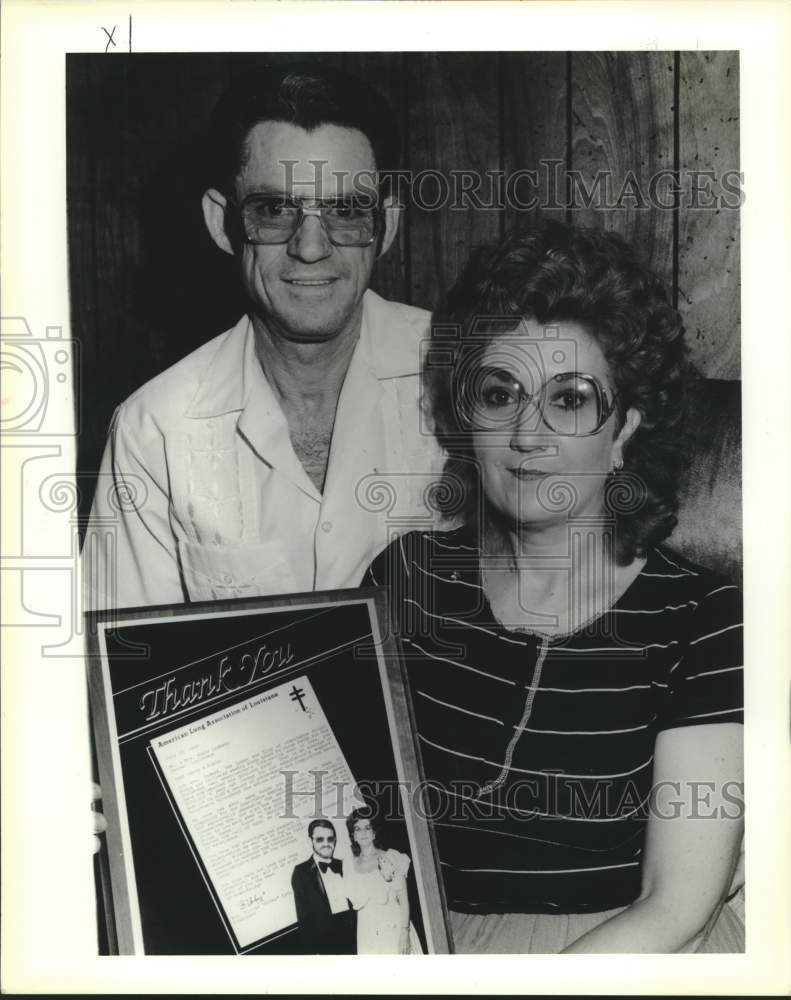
[335, 888]
[202, 497]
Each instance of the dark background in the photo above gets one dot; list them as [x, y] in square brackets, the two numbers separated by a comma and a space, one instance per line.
[148, 285]
[177, 912]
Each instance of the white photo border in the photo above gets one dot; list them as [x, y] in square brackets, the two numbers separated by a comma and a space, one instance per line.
[49, 930]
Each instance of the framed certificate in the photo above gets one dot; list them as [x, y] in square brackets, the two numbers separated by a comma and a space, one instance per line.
[224, 732]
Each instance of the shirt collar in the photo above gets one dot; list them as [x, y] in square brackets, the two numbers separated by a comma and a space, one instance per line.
[384, 350]
[388, 351]
[220, 389]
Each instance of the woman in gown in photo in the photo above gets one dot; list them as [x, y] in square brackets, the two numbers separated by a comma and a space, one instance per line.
[576, 686]
[375, 882]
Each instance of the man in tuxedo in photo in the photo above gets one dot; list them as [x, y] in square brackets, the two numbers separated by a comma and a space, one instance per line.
[326, 919]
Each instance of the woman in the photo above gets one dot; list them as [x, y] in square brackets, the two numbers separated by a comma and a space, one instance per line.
[575, 686]
[375, 883]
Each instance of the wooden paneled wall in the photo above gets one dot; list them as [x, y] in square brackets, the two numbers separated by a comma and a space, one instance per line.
[147, 285]
[629, 114]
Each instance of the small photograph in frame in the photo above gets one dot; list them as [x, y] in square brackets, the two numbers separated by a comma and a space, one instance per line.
[260, 781]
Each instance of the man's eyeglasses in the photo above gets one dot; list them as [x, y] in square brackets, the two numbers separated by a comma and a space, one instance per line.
[273, 219]
[569, 403]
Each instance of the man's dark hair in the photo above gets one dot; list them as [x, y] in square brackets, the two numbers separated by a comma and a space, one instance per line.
[557, 272]
[299, 94]
[316, 823]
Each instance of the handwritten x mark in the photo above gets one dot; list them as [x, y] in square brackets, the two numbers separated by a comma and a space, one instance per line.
[110, 39]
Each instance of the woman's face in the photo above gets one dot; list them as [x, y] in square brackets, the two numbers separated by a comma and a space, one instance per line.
[363, 833]
[532, 473]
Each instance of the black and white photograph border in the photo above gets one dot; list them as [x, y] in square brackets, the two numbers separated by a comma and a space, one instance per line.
[48, 883]
[641, 144]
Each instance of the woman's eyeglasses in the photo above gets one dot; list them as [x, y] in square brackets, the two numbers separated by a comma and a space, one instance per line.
[273, 219]
[569, 403]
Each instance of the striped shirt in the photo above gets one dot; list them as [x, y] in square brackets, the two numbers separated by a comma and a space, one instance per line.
[538, 750]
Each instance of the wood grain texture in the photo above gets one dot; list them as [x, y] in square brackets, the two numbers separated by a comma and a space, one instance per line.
[385, 71]
[709, 527]
[534, 132]
[708, 252]
[622, 123]
[454, 125]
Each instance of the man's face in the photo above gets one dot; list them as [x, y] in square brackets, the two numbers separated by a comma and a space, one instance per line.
[307, 290]
[323, 840]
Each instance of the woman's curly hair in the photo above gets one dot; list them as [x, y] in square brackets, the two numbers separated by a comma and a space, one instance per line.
[354, 817]
[556, 272]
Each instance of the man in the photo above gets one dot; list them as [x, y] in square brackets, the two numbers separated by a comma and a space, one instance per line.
[326, 920]
[251, 466]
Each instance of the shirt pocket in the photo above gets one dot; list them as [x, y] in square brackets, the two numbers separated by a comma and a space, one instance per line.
[219, 572]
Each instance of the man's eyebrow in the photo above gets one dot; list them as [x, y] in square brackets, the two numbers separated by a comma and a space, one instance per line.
[267, 192]
[344, 198]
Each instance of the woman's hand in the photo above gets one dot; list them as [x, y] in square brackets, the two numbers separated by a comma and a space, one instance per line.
[386, 868]
[99, 822]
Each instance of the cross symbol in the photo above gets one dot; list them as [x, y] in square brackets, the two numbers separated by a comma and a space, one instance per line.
[297, 694]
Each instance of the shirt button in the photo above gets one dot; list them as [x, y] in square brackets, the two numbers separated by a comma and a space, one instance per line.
[326, 526]
[227, 578]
